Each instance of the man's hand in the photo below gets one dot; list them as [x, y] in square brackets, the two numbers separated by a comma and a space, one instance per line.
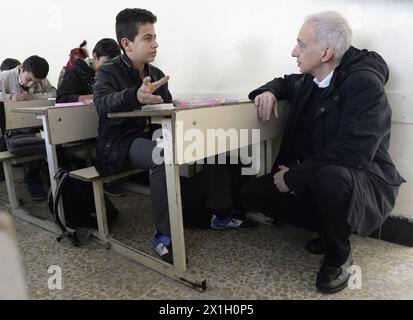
[144, 93]
[279, 179]
[21, 97]
[266, 102]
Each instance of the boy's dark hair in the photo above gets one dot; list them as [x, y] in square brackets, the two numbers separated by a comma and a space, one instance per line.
[128, 22]
[107, 48]
[9, 64]
[36, 65]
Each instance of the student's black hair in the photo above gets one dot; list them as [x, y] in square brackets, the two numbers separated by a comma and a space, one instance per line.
[36, 65]
[107, 48]
[9, 64]
[128, 22]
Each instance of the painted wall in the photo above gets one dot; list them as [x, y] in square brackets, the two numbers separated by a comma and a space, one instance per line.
[216, 46]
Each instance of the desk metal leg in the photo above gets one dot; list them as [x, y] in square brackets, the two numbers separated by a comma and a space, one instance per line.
[52, 163]
[174, 199]
[175, 214]
[100, 209]
[11, 189]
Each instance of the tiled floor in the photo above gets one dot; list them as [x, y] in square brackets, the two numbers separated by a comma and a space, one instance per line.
[268, 263]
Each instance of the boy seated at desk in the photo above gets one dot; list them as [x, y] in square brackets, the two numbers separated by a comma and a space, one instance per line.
[76, 53]
[27, 81]
[7, 64]
[125, 84]
[78, 81]
[24, 83]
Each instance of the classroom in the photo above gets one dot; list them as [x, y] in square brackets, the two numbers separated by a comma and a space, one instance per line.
[236, 133]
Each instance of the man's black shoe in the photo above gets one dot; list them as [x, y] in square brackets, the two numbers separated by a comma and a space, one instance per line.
[334, 279]
[315, 246]
[37, 192]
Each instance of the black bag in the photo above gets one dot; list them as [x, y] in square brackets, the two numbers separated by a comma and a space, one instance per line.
[193, 195]
[24, 144]
[78, 201]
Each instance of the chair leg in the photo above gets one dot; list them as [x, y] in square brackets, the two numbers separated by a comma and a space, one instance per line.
[100, 209]
[11, 189]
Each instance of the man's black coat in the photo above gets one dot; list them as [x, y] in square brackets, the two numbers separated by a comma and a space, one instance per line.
[351, 129]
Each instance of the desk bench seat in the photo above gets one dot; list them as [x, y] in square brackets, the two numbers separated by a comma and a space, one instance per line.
[90, 174]
[7, 156]
[8, 159]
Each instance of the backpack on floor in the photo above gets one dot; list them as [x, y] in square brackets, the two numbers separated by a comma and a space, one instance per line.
[194, 212]
[78, 201]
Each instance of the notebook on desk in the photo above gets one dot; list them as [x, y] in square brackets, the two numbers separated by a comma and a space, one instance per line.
[192, 104]
[159, 106]
[75, 104]
[199, 103]
[208, 102]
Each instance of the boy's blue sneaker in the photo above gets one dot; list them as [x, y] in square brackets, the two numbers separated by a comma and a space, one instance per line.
[163, 246]
[232, 223]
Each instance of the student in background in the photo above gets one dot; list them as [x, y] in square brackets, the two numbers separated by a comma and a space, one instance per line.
[27, 81]
[78, 81]
[77, 86]
[76, 53]
[127, 83]
[9, 64]
[24, 83]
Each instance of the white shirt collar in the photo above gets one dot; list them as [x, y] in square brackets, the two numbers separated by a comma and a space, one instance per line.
[325, 82]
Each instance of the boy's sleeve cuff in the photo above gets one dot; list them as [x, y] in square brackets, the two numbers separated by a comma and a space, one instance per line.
[131, 98]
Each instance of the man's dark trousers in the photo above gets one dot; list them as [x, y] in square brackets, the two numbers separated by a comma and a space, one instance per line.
[323, 208]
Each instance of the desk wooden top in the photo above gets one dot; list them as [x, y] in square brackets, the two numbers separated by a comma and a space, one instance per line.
[36, 110]
[43, 110]
[140, 113]
[129, 114]
[169, 112]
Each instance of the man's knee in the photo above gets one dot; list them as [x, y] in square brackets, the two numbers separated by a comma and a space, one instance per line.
[331, 182]
[257, 189]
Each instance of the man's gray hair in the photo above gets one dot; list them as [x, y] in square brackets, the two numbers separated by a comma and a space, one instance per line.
[333, 29]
